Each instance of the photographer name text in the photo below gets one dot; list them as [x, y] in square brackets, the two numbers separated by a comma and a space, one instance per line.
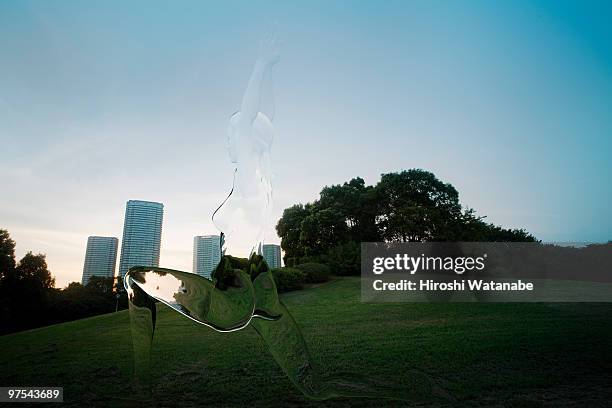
[455, 285]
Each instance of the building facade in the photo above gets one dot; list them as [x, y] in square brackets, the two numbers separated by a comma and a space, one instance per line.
[206, 254]
[272, 255]
[142, 230]
[100, 258]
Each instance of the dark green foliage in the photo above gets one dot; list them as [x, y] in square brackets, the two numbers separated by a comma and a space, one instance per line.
[288, 279]
[295, 260]
[77, 301]
[238, 263]
[7, 254]
[411, 205]
[416, 206]
[256, 265]
[344, 258]
[224, 274]
[472, 228]
[321, 229]
[289, 227]
[28, 298]
[24, 291]
[357, 206]
[100, 285]
[315, 272]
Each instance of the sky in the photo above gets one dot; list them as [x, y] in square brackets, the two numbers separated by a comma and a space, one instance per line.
[106, 101]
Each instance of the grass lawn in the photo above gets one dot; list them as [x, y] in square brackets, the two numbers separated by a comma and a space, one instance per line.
[531, 354]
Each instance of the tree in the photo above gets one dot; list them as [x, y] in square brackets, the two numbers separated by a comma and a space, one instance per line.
[120, 294]
[473, 228]
[28, 298]
[100, 285]
[77, 301]
[289, 227]
[119, 284]
[321, 230]
[416, 206]
[411, 205]
[355, 204]
[33, 268]
[7, 254]
[74, 287]
[344, 258]
[25, 293]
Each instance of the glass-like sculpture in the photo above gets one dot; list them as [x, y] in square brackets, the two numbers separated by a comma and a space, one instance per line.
[242, 291]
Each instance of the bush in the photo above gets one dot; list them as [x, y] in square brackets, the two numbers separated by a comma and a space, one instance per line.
[288, 279]
[314, 272]
[345, 258]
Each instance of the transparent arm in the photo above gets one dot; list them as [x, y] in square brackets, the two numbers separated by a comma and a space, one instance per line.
[260, 83]
[252, 96]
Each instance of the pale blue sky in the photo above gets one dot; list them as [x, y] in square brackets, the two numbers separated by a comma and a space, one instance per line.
[101, 102]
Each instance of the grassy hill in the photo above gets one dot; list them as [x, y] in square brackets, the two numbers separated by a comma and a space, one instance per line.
[483, 354]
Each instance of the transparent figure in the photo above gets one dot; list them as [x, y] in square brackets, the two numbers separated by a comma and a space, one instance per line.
[242, 291]
[244, 215]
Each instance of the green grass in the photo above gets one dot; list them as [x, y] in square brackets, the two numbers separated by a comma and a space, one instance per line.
[483, 354]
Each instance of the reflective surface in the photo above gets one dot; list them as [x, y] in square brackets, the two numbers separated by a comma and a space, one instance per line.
[239, 297]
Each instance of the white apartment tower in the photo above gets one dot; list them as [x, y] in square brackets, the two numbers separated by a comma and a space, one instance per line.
[142, 230]
[272, 255]
[206, 254]
[100, 258]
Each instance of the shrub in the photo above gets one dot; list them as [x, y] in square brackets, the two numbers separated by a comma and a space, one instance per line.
[291, 262]
[288, 279]
[345, 258]
[314, 272]
[238, 263]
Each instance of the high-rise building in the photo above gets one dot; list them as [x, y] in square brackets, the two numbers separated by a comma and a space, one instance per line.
[141, 235]
[206, 254]
[272, 255]
[100, 258]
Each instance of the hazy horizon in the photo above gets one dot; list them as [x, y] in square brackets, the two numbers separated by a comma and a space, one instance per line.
[101, 103]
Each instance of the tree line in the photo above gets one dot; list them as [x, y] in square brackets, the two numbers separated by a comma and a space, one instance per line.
[411, 205]
[407, 206]
[29, 299]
